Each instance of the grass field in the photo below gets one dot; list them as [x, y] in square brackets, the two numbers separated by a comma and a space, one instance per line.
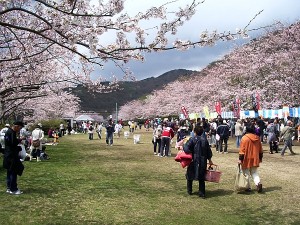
[87, 182]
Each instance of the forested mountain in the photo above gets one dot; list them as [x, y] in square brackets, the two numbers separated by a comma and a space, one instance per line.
[105, 103]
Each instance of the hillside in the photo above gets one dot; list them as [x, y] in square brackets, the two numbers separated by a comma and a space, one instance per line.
[105, 103]
[264, 72]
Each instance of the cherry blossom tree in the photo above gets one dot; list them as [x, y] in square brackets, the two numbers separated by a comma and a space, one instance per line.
[59, 42]
[268, 66]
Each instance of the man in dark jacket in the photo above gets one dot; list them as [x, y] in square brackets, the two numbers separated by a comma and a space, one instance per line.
[11, 160]
[223, 132]
[200, 149]
[110, 129]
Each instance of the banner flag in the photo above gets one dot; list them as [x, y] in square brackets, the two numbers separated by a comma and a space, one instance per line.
[236, 108]
[218, 107]
[185, 112]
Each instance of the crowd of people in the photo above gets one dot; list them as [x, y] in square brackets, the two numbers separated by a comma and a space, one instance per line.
[195, 137]
[203, 134]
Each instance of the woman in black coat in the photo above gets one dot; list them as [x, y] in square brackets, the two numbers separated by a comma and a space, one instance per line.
[200, 149]
[11, 160]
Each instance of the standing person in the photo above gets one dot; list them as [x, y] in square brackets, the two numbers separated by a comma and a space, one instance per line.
[232, 128]
[272, 139]
[69, 127]
[110, 129]
[223, 132]
[286, 134]
[91, 131]
[199, 148]
[36, 142]
[62, 129]
[11, 160]
[239, 128]
[250, 155]
[213, 132]
[262, 127]
[166, 136]
[299, 133]
[157, 139]
[2, 135]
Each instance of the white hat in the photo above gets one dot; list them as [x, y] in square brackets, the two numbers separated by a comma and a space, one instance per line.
[39, 124]
[224, 121]
[7, 125]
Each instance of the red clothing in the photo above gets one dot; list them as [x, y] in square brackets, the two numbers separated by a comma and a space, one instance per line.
[168, 132]
[185, 159]
[251, 150]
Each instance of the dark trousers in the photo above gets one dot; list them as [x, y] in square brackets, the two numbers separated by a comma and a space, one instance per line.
[11, 181]
[109, 138]
[91, 136]
[273, 146]
[165, 145]
[225, 140]
[157, 143]
[201, 187]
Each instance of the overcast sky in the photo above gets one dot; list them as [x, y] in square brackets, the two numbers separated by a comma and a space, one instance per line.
[221, 15]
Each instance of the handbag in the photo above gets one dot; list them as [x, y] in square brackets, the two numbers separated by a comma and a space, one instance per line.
[36, 143]
[241, 180]
[213, 174]
[217, 137]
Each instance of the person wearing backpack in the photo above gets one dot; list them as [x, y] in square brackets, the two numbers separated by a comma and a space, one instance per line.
[201, 152]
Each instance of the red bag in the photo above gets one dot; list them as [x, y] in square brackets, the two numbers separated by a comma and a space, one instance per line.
[213, 174]
[184, 158]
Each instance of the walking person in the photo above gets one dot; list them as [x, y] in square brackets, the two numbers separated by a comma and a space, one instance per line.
[199, 147]
[250, 155]
[118, 128]
[11, 160]
[286, 134]
[99, 130]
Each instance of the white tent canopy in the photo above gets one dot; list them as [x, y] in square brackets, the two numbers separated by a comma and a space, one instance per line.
[84, 118]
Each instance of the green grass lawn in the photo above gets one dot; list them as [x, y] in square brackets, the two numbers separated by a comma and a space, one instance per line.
[87, 182]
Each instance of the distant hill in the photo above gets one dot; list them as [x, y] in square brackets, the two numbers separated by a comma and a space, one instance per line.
[105, 103]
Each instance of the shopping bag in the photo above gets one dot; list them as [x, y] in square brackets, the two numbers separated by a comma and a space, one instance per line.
[213, 174]
[241, 180]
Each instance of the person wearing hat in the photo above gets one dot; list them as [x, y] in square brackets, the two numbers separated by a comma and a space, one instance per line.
[36, 143]
[11, 160]
[2, 134]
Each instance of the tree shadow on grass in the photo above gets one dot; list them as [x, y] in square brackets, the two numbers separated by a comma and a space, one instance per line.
[39, 190]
